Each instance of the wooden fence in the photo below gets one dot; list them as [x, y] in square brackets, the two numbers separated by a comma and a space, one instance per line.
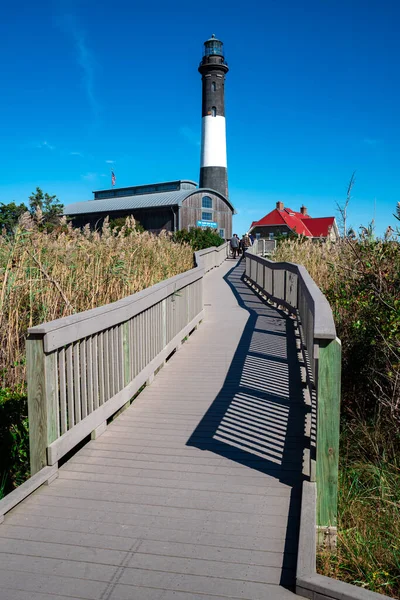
[83, 368]
[291, 286]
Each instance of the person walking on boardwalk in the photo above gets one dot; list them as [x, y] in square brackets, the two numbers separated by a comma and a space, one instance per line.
[246, 242]
[235, 245]
[241, 246]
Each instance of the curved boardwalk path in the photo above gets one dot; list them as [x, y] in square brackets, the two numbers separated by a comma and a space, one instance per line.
[194, 491]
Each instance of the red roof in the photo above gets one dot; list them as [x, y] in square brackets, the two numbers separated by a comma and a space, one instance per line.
[295, 221]
[320, 226]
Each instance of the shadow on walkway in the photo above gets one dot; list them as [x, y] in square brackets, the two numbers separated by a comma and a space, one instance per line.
[258, 417]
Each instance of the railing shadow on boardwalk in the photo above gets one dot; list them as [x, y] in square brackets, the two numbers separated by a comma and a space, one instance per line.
[258, 417]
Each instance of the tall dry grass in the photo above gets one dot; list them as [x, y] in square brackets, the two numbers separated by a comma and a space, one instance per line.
[45, 276]
[323, 261]
[361, 279]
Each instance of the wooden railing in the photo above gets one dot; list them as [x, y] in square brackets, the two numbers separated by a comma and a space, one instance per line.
[290, 285]
[262, 247]
[83, 368]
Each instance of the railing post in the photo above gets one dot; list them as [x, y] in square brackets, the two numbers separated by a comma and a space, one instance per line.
[164, 322]
[126, 351]
[328, 421]
[273, 283]
[248, 265]
[42, 380]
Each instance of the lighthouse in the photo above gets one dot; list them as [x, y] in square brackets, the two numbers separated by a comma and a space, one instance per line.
[213, 164]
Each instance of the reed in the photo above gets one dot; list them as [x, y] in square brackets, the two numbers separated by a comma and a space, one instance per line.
[45, 276]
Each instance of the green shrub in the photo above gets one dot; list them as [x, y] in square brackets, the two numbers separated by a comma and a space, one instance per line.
[198, 238]
[14, 440]
[368, 547]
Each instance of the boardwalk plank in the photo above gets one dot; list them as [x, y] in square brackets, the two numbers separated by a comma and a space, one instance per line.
[181, 499]
[114, 525]
[193, 520]
[78, 588]
[110, 476]
[127, 592]
[13, 594]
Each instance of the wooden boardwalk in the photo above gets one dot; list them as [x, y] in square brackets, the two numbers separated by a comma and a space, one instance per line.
[194, 491]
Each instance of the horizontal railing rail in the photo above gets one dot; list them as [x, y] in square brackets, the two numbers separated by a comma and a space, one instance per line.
[83, 368]
[289, 285]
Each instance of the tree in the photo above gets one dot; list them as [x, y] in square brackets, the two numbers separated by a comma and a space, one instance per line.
[9, 215]
[45, 209]
[49, 208]
[342, 209]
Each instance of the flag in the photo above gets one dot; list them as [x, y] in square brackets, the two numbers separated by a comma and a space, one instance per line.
[113, 180]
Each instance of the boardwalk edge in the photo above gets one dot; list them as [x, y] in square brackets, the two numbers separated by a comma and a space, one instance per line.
[47, 474]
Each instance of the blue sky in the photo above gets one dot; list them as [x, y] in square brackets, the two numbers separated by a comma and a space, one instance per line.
[312, 95]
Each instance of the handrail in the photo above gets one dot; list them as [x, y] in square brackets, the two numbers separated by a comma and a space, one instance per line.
[290, 285]
[324, 325]
[83, 368]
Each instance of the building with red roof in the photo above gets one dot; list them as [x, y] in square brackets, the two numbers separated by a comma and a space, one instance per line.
[282, 221]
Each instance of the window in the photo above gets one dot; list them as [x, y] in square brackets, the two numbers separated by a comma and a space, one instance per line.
[222, 233]
[167, 187]
[271, 236]
[206, 202]
[213, 112]
[206, 216]
[213, 86]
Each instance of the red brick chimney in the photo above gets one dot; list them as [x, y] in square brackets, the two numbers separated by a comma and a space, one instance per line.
[279, 205]
[303, 210]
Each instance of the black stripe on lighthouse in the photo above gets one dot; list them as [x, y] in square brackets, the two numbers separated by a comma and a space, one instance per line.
[213, 164]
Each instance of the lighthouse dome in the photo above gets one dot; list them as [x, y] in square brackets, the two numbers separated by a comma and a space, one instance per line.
[213, 46]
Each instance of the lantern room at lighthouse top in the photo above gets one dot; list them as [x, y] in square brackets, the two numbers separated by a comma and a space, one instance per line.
[213, 53]
[213, 46]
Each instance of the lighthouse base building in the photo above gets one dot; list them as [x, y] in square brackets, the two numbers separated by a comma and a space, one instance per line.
[168, 206]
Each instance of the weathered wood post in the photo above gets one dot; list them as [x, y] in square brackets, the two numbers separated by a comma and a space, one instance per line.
[328, 421]
[126, 354]
[42, 380]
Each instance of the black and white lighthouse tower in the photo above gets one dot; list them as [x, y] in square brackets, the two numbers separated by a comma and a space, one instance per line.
[213, 165]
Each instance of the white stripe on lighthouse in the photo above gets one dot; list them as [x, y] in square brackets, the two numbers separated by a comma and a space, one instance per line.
[213, 142]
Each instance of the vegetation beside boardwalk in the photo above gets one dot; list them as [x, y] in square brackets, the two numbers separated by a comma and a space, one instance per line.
[361, 279]
[48, 271]
[198, 238]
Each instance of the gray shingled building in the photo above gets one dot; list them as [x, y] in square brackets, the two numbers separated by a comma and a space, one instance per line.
[169, 206]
